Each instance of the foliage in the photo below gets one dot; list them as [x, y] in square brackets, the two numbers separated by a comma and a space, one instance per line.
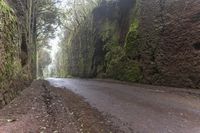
[9, 29]
[82, 41]
[43, 61]
[95, 46]
[121, 61]
[75, 12]
[118, 66]
[5, 9]
[108, 31]
[79, 36]
[10, 65]
[46, 20]
[131, 44]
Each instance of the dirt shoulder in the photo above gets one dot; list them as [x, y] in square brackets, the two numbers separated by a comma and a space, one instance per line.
[45, 109]
[11, 89]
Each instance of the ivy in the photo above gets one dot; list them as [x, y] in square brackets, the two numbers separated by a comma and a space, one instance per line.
[8, 29]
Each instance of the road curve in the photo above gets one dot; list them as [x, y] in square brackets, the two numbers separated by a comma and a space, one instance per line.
[139, 108]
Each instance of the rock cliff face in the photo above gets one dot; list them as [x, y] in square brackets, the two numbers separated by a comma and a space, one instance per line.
[87, 46]
[15, 48]
[146, 41]
[170, 38]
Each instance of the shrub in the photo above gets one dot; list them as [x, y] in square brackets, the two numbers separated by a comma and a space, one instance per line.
[119, 67]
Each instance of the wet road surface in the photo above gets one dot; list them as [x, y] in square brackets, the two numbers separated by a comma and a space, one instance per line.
[140, 108]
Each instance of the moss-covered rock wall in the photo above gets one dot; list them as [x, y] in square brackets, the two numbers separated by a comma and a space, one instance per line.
[168, 32]
[146, 41]
[90, 46]
[14, 53]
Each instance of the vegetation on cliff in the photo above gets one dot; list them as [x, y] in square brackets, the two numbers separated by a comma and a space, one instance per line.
[10, 62]
[102, 43]
[24, 29]
[10, 67]
[131, 40]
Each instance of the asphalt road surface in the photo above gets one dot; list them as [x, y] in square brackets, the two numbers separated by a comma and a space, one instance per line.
[138, 108]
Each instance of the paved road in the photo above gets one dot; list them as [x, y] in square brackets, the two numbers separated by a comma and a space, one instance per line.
[139, 108]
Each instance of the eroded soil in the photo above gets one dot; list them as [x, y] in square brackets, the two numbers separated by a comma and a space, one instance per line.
[42, 108]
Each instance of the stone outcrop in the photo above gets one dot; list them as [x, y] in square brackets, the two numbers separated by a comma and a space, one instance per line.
[15, 48]
[146, 41]
[170, 39]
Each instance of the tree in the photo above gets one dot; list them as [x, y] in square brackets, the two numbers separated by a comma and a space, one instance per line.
[46, 20]
[76, 12]
[44, 60]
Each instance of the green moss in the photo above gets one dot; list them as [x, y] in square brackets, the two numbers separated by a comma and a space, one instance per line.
[109, 31]
[124, 70]
[131, 45]
[8, 24]
[5, 7]
[134, 26]
[119, 67]
[132, 71]
[117, 64]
